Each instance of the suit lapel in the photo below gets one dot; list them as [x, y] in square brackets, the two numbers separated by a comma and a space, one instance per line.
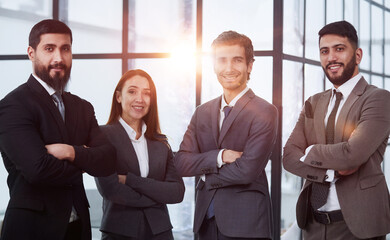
[357, 91]
[127, 149]
[234, 113]
[319, 116]
[215, 107]
[153, 154]
[46, 101]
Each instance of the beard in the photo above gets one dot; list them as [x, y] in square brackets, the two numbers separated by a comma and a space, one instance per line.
[345, 75]
[57, 82]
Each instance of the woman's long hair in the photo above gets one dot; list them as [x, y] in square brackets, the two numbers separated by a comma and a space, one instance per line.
[151, 119]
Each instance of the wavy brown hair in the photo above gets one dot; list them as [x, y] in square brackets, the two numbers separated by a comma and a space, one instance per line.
[151, 119]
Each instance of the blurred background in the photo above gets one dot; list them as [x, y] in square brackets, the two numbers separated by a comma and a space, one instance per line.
[170, 39]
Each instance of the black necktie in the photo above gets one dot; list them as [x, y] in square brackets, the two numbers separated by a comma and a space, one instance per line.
[320, 191]
[210, 209]
[60, 104]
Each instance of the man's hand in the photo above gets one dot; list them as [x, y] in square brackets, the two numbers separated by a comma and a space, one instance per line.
[122, 179]
[61, 151]
[347, 172]
[230, 156]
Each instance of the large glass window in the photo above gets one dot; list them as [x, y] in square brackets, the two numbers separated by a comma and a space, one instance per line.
[292, 99]
[100, 32]
[334, 10]
[162, 40]
[252, 17]
[377, 39]
[364, 34]
[314, 80]
[387, 43]
[16, 21]
[293, 26]
[95, 81]
[315, 20]
[162, 26]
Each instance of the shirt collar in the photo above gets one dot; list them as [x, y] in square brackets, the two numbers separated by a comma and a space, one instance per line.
[131, 132]
[348, 86]
[234, 101]
[48, 89]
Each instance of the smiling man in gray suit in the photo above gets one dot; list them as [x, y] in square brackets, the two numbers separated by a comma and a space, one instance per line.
[338, 145]
[228, 143]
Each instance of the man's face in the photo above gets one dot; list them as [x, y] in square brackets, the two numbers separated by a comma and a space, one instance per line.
[52, 59]
[231, 68]
[339, 58]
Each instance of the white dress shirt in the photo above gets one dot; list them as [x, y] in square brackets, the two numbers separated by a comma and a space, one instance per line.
[49, 89]
[140, 146]
[332, 202]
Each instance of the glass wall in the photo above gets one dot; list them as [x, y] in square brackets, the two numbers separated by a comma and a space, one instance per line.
[166, 37]
[303, 75]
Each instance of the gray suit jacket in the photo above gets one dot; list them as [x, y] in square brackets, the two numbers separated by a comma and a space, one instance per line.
[241, 197]
[361, 135]
[125, 204]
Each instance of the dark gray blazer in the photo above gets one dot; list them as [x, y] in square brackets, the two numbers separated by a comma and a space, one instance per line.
[361, 135]
[125, 204]
[241, 198]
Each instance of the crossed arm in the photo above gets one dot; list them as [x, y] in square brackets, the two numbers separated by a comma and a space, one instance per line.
[368, 133]
[242, 167]
[136, 191]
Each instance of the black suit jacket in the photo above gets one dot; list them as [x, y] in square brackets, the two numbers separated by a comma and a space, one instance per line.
[124, 205]
[42, 188]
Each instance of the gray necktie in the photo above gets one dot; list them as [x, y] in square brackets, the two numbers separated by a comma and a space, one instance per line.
[320, 191]
[60, 104]
[210, 209]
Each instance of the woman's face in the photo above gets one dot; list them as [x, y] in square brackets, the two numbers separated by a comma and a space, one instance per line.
[134, 99]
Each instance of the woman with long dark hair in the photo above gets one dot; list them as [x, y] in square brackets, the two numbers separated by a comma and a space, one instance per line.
[134, 199]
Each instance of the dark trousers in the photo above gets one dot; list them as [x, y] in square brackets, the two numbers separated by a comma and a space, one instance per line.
[333, 231]
[144, 233]
[74, 230]
[209, 231]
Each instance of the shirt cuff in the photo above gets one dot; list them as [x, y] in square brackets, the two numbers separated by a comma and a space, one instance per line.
[302, 159]
[329, 177]
[220, 163]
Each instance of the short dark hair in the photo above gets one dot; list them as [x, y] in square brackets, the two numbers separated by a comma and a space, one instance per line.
[341, 28]
[233, 38]
[47, 26]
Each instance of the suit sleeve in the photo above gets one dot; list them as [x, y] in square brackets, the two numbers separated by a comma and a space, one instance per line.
[295, 149]
[370, 132]
[24, 150]
[189, 161]
[257, 151]
[110, 188]
[169, 191]
[98, 158]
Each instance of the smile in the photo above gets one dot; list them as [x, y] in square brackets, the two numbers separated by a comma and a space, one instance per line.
[334, 67]
[230, 77]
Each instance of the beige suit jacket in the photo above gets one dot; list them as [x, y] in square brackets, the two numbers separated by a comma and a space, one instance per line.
[361, 135]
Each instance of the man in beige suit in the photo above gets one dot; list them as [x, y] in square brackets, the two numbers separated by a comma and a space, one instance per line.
[338, 145]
